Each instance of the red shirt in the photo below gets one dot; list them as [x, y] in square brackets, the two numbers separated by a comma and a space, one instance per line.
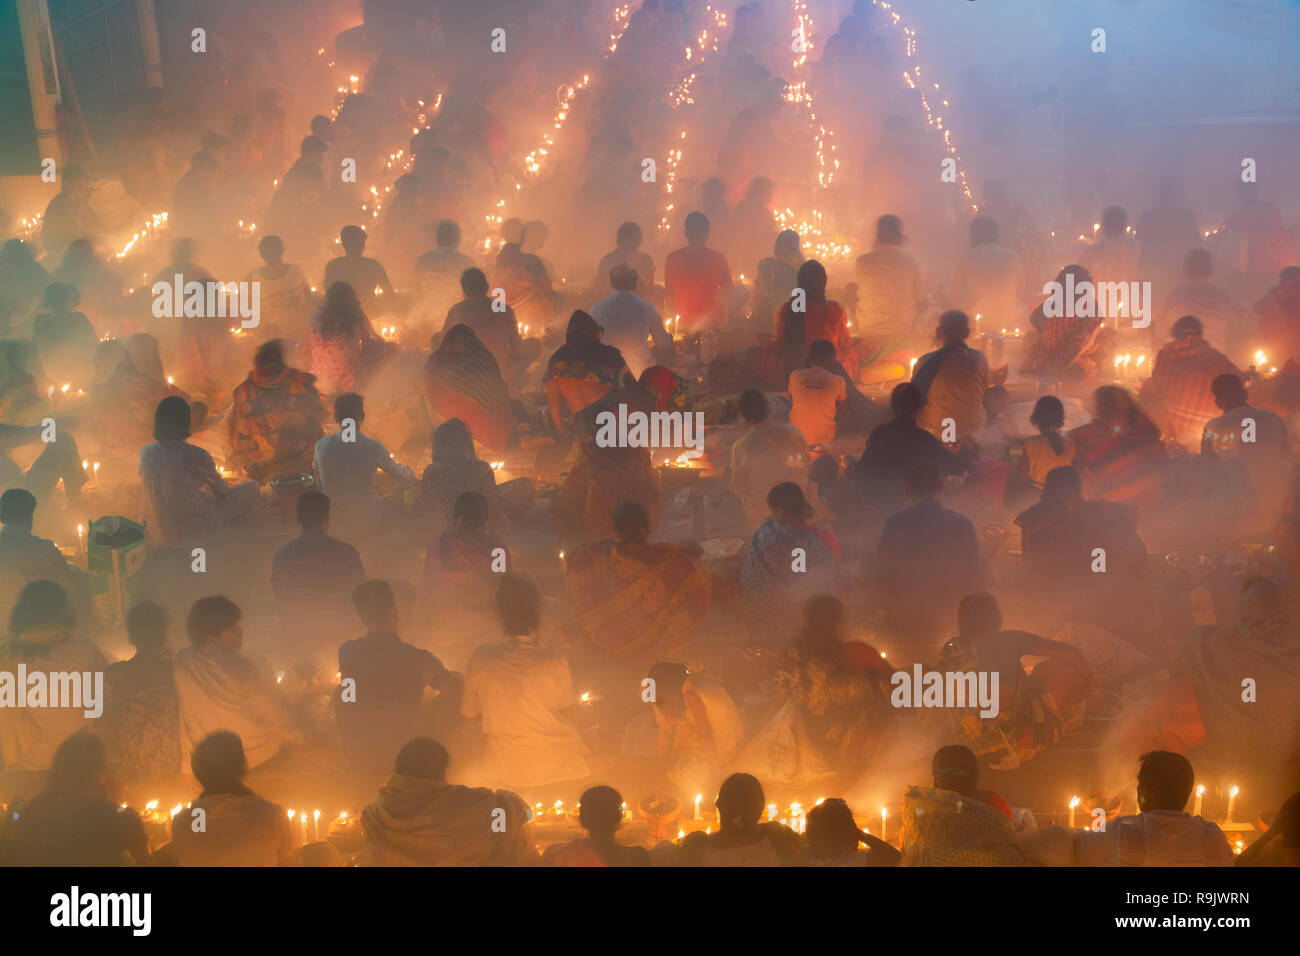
[694, 278]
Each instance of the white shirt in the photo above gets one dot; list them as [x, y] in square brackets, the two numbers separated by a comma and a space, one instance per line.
[629, 322]
[347, 475]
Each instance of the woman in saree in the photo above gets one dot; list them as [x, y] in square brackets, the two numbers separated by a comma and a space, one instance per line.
[456, 469]
[23, 396]
[460, 567]
[1120, 449]
[124, 405]
[462, 381]
[1035, 710]
[602, 477]
[835, 694]
[741, 839]
[789, 561]
[1064, 346]
[638, 601]
[820, 318]
[700, 727]
[527, 286]
[581, 371]
[342, 346]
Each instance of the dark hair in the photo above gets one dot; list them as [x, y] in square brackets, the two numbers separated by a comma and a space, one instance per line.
[423, 757]
[740, 800]
[1288, 274]
[473, 282]
[1062, 482]
[787, 501]
[697, 226]
[209, 616]
[17, 506]
[61, 295]
[40, 605]
[352, 235]
[448, 233]
[1187, 325]
[753, 405]
[342, 313]
[923, 481]
[623, 277]
[831, 829]
[79, 762]
[978, 615]
[820, 351]
[631, 523]
[1048, 417]
[269, 354]
[628, 232]
[1165, 781]
[349, 405]
[600, 811]
[470, 510]
[313, 510]
[811, 277]
[171, 419]
[955, 768]
[669, 682]
[146, 626]
[271, 247]
[954, 325]
[889, 229]
[219, 763]
[1229, 391]
[519, 605]
[375, 603]
[906, 400]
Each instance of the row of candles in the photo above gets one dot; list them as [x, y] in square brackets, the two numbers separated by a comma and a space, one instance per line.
[1130, 366]
[1076, 800]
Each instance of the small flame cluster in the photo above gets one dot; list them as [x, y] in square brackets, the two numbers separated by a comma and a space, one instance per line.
[620, 15]
[812, 235]
[150, 228]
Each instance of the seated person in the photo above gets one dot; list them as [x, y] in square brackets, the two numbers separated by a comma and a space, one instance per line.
[957, 769]
[25, 558]
[740, 839]
[65, 339]
[1049, 448]
[943, 827]
[775, 582]
[1034, 710]
[239, 827]
[524, 694]
[767, 454]
[581, 371]
[275, 419]
[184, 501]
[44, 636]
[600, 812]
[141, 718]
[1061, 536]
[637, 600]
[220, 689]
[1160, 834]
[345, 466]
[76, 820]
[461, 567]
[700, 727]
[380, 710]
[422, 820]
[927, 558]
[833, 839]
[815, 391]
[896, 447]
[313, 574]
[455, 468]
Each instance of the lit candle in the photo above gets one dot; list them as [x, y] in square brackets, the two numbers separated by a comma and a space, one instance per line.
[302, 827]
[771, 811]
[562, 561]
[1200, 793]
[1232, 798]
[699, 799]
[292, 832]
[1074, 802]
[81, 538]
[315, 825]
[884, 827]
